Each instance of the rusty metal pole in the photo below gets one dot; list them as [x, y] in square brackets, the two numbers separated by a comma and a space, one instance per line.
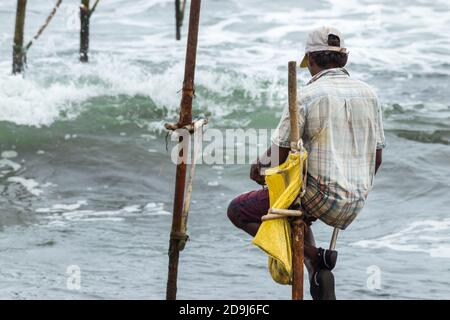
[298, 225]
[84, 30]
[334, 239]
[18, 50]
[185, 119]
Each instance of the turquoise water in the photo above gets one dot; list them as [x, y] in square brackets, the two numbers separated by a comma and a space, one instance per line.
[85, 178]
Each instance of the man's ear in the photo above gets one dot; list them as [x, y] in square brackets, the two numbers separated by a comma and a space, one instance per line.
[344, 60]
[310, 61]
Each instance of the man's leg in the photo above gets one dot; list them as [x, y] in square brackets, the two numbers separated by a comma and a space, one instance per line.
[310, 252]
[246, 210]
[321, 280]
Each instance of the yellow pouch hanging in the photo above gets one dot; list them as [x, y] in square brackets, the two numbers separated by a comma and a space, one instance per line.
[274, 236]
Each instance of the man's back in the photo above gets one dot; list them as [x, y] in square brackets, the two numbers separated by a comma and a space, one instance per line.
[340, 123]
[342, 119]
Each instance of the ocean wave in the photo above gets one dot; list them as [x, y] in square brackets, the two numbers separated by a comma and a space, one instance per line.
[110, 82]
[428, 236]
[61, 214]
[241, 59]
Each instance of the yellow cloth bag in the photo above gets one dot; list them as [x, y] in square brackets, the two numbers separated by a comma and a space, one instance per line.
[274, 236]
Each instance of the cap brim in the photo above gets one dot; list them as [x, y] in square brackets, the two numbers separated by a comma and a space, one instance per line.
[304, 63]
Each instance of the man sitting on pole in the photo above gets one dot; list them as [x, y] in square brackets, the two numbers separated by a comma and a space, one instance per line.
[341, 126]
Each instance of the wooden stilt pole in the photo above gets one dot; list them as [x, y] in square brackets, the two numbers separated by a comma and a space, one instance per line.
[298, 235]
[179, 16]
[18, 50]
[298, 226]
[84, 30]
[177, 19]
[177, 238]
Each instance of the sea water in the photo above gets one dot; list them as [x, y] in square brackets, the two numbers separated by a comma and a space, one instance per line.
[86, 181]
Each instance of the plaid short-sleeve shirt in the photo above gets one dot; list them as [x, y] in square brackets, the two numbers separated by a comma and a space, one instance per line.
[340, 122]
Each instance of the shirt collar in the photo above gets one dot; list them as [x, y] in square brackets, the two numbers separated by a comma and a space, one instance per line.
[329, 73]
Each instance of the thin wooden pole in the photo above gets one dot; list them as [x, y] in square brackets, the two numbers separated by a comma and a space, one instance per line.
[177, 19]
[84, 30]
[298, 235]
[176, 236]
[18, 50]
[179, 16]
[298, 225]
[292, 96]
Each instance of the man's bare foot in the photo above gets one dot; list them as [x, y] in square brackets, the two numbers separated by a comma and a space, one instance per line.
[322, 285]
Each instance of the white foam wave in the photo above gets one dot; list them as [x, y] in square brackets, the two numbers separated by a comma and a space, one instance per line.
[28, 102]
[428, 236]
[132, 56]
[74, 212]
[62, 207]
[8, 164]
[30, 185]
[8, 154]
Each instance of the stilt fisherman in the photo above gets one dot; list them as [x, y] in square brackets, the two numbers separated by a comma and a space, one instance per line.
[340, 122]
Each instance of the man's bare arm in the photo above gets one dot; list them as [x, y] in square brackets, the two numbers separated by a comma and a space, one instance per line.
[273, 156]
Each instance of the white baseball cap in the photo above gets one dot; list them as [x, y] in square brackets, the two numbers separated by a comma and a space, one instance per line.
[318, 41]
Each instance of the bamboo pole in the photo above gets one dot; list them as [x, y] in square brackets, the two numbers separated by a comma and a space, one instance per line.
[177, 238]
[298, 225]
[84, 30]
[18, 50]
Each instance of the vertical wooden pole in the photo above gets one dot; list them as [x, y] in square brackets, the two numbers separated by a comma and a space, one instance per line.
[18, 53]
[292, 96]
[298, 225]
[298, 235]
[179, 16]
[84, 30]
[180, 179]
[178, 19]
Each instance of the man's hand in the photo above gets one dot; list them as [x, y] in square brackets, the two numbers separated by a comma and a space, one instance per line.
[280, 155]
[255, 173]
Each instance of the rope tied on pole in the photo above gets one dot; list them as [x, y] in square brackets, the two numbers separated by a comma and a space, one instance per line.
[196, 128]
[44, 26]
[181, 238]
[91, 11]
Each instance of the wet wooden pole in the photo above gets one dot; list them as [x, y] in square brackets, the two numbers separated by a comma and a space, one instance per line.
[177, 236]
[180, 6]
[18, 50]
[298, 225]
[84, 30]
[177, 19]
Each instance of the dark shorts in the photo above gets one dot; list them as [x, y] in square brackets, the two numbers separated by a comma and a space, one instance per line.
[249, 207]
